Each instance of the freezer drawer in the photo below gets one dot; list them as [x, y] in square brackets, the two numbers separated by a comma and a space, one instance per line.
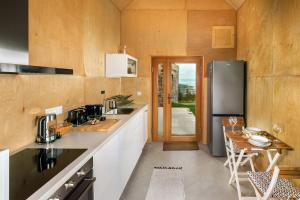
[216, 137]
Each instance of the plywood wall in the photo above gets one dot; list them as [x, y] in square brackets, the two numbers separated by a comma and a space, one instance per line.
[161, 28]
[101, 34]
[269, 39]
[64, 33]
[55, 33]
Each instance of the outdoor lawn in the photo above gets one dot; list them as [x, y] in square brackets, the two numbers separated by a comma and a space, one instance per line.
[189, 105]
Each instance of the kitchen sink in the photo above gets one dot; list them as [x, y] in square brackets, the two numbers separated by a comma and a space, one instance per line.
[124, 111]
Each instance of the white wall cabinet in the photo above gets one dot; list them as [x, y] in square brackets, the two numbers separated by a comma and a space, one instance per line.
[120, 65]
[116, 160]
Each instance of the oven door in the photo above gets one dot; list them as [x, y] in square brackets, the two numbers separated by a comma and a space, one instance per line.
[84, 191]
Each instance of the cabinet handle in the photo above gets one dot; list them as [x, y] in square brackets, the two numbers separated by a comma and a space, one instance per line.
[69, 184]
[81, 173]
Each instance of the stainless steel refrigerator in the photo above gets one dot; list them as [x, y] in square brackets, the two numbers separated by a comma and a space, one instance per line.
[226, 97]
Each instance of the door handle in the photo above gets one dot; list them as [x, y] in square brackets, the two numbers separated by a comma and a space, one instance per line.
[169, 98]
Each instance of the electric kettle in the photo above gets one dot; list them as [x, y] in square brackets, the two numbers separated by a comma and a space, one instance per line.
[46, 131]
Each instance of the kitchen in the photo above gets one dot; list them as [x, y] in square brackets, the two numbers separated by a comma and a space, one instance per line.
[77, 34]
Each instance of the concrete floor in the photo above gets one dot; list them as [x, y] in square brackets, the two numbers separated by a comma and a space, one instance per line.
[205, 177]
[183, 121]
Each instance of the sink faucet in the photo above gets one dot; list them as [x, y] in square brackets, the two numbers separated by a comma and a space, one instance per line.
[112, 104]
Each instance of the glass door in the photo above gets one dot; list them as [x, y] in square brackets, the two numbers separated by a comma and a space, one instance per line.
[159, 100]
[183, 97]
[177, 98]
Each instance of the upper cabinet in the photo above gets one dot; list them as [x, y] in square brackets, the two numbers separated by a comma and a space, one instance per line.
[120, 65]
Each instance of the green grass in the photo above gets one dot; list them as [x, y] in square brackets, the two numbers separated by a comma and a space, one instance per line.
[191, 106]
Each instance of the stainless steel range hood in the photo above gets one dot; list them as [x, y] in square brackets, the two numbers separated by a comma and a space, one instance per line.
[14, 41]
[30, 69]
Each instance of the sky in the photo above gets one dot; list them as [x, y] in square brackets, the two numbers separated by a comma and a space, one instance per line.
[187, 71]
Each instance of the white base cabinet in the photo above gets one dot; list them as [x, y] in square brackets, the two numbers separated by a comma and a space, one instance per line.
[116, 160]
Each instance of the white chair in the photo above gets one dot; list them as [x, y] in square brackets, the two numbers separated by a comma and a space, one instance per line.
[232, 150]
[267, 185]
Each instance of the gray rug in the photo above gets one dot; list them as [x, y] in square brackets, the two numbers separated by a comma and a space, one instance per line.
[166, 184]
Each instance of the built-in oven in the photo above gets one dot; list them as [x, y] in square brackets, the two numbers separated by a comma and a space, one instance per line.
[79, 186]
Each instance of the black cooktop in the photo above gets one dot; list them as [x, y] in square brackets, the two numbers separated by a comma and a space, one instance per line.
[30, 169]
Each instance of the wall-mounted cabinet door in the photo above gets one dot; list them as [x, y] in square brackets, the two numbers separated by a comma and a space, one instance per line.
[120, 65]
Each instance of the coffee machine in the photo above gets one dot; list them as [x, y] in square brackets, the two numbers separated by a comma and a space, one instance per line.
[46, 131]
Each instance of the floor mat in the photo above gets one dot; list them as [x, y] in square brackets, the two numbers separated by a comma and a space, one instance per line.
[166, 184]
[180, 146]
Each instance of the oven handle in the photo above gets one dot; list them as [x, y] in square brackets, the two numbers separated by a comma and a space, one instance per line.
[82, 188]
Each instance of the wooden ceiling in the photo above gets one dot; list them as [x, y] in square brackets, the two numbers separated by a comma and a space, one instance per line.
[236, 4]
[122, 4]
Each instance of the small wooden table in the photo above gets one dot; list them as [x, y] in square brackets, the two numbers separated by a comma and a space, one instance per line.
[241, 142]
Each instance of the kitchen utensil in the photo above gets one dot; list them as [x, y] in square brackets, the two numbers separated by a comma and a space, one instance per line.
[253, 130]
[94, 111]
[99, 126]
[258, 144]
[112, 104]
[121, 99]
[102, 118]
[259, 139]
[64, 128]
[46, 132]
[232, 122]
[77, 116]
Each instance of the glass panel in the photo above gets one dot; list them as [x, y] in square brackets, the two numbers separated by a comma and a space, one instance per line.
[183, 99]
[131, 68]
[160, 103]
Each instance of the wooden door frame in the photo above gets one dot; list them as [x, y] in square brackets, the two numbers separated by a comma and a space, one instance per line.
[167, 60]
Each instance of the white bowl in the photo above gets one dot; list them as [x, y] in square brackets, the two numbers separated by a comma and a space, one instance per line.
[254, 129]
[258, 144]
[259, 139]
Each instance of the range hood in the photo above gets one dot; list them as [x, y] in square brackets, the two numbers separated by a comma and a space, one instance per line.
[14, 41]
[30, 69]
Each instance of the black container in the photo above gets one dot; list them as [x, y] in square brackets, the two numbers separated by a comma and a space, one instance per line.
[77, 116]
[94, 111]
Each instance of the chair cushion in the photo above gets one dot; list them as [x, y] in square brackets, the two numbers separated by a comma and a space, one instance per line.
[283, 189]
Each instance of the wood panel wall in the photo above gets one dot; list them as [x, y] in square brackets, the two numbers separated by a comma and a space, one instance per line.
[269, 39]
[55, 33]
[101, 34]
[183, 27]
[64, 33]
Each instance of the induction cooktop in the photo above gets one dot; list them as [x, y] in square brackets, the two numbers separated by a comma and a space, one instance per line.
[30, 169]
